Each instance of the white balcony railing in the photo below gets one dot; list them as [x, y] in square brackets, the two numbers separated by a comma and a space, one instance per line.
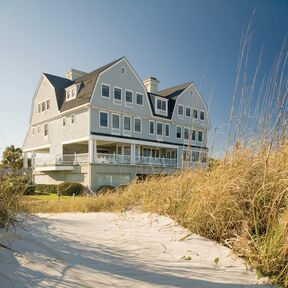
[104, 158]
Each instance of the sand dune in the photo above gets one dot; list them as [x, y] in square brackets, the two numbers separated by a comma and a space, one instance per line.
[116, 250]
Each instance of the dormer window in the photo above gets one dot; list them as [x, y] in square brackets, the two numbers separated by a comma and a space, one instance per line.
[161, 106]
[71, 92]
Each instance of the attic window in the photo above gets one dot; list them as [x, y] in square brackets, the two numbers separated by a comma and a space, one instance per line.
[71, 92]
[161, 107]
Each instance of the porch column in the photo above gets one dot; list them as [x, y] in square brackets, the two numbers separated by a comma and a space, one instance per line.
[25, 160]
[179, 157]
[133, 153]
[92, 150]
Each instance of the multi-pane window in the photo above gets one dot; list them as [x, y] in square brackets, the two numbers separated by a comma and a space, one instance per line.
[193, 135]
[103, 119]
[186, 133]
[73, 94]
[179, 132]
[137, 125]
[127, 123]
[200, 136]
[195, 113]
[161, 106]
[167, 130]
[43, 106]
[139, 99]
[159, 129]
[188, 111]
[117, 94]
[180, 110]
[202, 116]
[67, 94]
[115, 121]
[152, 127]
[73, 119]
[47, 104]
[128, 97]
[105, 91]
[45, 129]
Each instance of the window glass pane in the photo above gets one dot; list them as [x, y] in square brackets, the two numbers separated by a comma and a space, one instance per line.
[103, 119]
[188, 111]
[159, 129]
[105, 91]
[195, 113]
[201, 115]
[137, 125]
[129, 96]
[195, 156]
[152, 127]
[45, 129]
[179, 132]
[48, 104]
[193, 135]
[180, 110]
[115, 121]
[43, 106]
[127, 124]
[159, 104]
[167, 130]
[117, 93]
[139, 99]
[127, 150]
[200, 136]
[186, 134]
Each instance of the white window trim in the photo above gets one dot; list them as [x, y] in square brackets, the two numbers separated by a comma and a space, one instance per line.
[159, 135]
[116, 101]
[181, 137]
[179, 115]
[197, 113]
[126, 116]
[73, 123]
[116, 130]
[185, 111]
[160, 111]
[69, 89]
[167, 124]
[100, 112]
[200, 114]
[47, 130]
[195, 135]
[140, 124]
[154, 127]
[109, 91]
[187, 129]
[142, 98]
[198, 136]
[129, 104]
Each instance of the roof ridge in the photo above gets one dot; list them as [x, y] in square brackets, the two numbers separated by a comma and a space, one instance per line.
[176, 86]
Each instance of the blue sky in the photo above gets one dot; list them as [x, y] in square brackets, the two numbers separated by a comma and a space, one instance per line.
[175, 41]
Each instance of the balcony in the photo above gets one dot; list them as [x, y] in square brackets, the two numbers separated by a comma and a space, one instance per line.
[50, 162]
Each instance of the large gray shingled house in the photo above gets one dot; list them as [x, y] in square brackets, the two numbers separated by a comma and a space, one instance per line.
[108, 126]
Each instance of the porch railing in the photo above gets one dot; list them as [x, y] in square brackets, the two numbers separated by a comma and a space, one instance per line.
[104, 158]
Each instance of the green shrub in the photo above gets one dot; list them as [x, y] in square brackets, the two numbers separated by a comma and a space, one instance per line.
[29, 189]
[70, 188]
[46, 188]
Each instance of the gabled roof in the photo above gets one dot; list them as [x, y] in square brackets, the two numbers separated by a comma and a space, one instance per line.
[174, 91]
[59, 85]
[85, 92]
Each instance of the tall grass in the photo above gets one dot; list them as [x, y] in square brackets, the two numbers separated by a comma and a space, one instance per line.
[11, 193]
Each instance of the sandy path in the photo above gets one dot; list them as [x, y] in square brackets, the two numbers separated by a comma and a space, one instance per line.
[115, 250]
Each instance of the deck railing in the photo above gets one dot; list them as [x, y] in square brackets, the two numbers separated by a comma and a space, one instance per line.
[104, 158]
